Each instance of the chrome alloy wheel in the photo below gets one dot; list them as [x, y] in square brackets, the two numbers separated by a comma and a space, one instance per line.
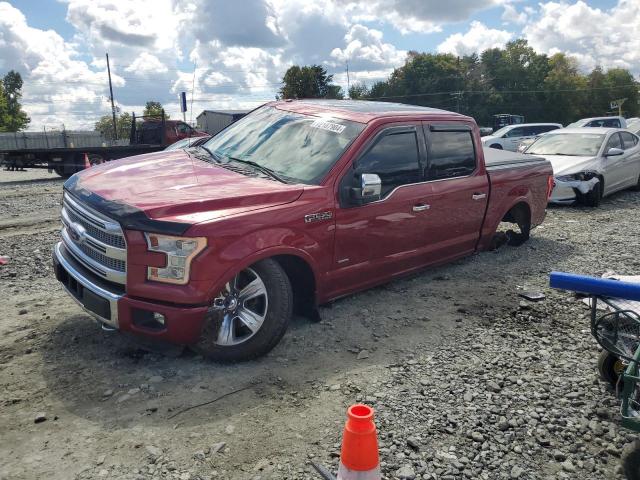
[242, 307]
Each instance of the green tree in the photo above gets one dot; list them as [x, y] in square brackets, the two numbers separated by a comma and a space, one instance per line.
[123, 124]
[154, 109]
[565, 90]
[358, 91]
[12, 117]
[309, 82]
[621, 84]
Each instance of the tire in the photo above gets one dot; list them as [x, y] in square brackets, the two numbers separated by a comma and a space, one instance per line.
[631, 460]
[61, 172]
[497, 146]
[592, 199]
[636, 187]
[226, 337]
[609, 367]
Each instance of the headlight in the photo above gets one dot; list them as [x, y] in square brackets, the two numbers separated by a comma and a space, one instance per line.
[574, 176]
[179, 251]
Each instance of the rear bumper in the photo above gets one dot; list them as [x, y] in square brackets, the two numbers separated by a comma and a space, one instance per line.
[110, 305]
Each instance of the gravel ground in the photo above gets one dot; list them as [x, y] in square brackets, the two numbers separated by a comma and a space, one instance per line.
[467, 379]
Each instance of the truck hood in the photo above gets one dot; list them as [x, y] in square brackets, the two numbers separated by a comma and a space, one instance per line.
[175, 186]
[566, 165]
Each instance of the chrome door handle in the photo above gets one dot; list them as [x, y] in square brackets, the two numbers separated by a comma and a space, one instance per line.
[479, 196]
[421, 208]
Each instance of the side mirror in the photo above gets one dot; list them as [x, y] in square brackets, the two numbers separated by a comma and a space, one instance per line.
[369, 191]
[614, 152]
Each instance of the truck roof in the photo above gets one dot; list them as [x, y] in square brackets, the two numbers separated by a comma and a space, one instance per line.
[362, 111]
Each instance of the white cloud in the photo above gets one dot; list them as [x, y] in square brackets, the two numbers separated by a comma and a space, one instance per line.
[146, 64]
[477, 39]
[512, 15]
[595, 37]
[366, 50]
[58, 87]
[418, 16]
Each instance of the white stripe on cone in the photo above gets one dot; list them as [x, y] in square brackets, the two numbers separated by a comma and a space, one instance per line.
[345, 473]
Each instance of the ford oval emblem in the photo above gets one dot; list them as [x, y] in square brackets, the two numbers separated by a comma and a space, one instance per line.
[77, 232]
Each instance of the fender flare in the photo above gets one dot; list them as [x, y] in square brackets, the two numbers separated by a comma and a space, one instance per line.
[267, 252]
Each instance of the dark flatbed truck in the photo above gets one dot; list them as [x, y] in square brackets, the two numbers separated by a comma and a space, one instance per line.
[58, 152]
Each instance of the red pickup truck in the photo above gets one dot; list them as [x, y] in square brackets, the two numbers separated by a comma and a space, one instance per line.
[297, 204]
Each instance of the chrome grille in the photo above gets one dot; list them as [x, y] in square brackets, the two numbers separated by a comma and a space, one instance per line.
[94, 240]
[113, 263]
[108, 238]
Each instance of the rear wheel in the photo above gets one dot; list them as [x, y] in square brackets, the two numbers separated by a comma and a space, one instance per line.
[250, 315]
[631, 461]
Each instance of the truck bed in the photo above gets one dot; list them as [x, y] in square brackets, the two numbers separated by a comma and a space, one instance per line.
[496, 159]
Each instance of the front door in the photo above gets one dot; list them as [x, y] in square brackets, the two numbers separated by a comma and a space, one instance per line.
[615, 167]
[379, 239]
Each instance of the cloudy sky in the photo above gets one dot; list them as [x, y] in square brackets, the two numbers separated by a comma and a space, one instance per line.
[232, 53]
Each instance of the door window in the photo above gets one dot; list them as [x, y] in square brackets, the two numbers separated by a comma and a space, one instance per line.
[394, 158]
[183, 128]
[611, 123]
[451, 154]
[614, 142]
[629, 140]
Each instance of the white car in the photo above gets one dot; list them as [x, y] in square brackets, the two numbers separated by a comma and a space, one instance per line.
[509, 137]
[606, 122]
[590, 162]
[633, 125]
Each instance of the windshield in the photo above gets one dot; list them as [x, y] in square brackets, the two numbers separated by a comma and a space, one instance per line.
[296, 147]
[576, 144]
[502, 131]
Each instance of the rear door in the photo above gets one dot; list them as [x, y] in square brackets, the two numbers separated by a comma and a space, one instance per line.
[459, 190]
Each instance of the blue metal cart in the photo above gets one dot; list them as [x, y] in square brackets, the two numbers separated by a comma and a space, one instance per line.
[615, 324]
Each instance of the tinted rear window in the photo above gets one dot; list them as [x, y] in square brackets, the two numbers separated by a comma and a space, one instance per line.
[451, 154]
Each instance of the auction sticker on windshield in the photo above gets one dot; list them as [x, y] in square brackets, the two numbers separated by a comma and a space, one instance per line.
[330, 126]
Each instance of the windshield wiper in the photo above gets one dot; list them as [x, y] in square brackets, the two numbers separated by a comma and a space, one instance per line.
[216, 157]
[262, 168]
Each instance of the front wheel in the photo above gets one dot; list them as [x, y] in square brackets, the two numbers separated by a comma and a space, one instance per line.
[250, 315]
[497, 146]
[631, 461]
[592, 199]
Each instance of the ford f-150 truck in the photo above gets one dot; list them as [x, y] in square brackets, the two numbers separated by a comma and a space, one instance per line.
[297, 204]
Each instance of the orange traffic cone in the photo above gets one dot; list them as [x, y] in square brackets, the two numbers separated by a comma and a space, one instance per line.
[87, 163]
[359, 456]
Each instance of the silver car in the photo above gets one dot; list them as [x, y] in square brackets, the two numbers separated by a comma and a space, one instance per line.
[590, 163]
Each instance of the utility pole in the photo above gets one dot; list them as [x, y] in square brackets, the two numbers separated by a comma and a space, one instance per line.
[348, 83]
[113, 108]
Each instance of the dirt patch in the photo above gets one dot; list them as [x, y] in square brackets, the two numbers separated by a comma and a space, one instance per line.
[485, 386]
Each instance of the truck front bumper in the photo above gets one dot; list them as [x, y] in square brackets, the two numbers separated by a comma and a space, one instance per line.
[113, 309]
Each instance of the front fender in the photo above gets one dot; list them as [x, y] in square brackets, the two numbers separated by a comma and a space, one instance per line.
[259, 245]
